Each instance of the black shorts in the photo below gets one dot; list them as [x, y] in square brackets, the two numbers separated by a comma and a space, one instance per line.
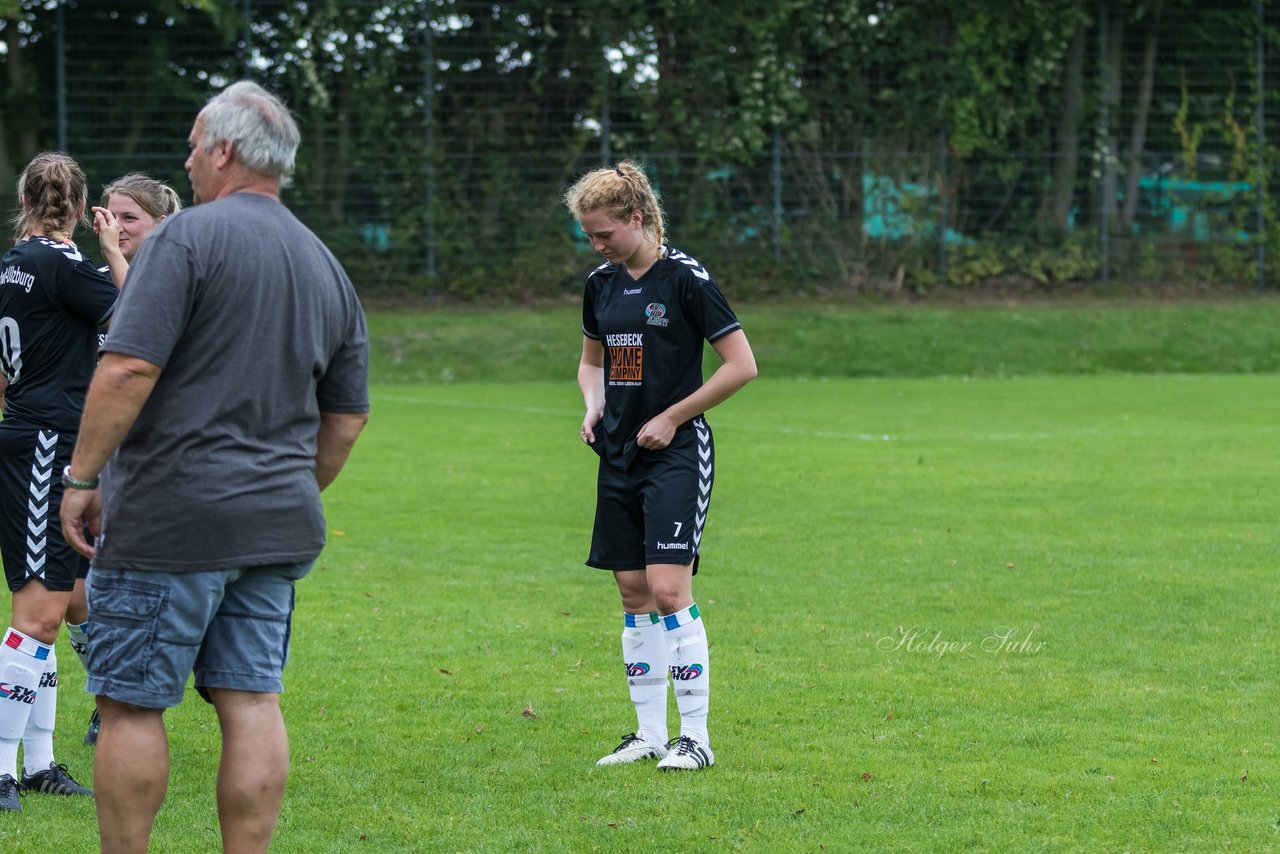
[654, 511]
[31, 543]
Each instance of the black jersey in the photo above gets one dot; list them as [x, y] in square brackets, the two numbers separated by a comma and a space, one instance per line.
[652, 330]
[52, 301]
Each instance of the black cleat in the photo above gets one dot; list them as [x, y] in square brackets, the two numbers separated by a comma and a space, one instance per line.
[9, 790]
[54, 781]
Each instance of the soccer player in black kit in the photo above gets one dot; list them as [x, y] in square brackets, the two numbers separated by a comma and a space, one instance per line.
[645, 315]
[52, 301]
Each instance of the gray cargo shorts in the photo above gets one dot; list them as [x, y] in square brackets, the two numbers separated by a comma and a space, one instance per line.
[149, 631]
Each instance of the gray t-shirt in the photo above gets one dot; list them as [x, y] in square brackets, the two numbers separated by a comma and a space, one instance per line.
[257, 330]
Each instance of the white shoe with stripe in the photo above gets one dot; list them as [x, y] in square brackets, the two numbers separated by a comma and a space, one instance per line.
[633, 749]
[687, 754]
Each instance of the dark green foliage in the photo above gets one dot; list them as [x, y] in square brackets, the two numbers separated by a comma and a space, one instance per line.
[805, 146]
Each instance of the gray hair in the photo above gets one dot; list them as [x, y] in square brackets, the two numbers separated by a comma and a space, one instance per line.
[257, 124]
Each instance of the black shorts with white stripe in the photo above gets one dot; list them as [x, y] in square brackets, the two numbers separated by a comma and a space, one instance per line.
[31, 542]
[654, 511]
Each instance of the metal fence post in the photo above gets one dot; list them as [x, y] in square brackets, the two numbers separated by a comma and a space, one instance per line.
[1103, 130]
[942, 204]
[428, 138]
[776, 179]
[1261, 143]
[60, 62]
[606, 149]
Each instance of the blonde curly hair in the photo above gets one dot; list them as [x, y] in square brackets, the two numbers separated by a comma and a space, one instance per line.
[620, 190]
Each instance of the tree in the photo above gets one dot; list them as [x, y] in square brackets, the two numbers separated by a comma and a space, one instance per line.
[1141, 115]
[1059, 192]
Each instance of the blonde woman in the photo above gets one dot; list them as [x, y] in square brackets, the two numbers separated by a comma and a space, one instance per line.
[646, 312]
[52, 301]
[136, 204]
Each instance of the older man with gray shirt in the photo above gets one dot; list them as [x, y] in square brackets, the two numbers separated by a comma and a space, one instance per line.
[232, 387]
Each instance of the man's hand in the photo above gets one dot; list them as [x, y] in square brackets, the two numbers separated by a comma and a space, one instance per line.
[80, 508]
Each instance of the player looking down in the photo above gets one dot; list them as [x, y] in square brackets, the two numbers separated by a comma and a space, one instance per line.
[645, 314]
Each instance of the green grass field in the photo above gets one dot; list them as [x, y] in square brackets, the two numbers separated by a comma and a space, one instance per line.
[1005, 613]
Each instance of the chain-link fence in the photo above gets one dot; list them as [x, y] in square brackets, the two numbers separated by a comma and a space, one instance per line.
[915, 146]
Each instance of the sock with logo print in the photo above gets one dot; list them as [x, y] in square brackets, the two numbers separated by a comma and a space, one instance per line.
[21, 663]
[79, 635]
[687, 659]
[644, 654]
[37, 740]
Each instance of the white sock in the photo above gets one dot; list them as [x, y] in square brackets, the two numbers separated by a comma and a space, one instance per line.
[37, 740]
[79, 634]
[644, 653]
[690, 675]
[21, 663]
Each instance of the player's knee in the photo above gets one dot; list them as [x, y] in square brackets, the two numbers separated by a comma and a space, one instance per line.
[670, 599]
[40, 627]
[637, 598]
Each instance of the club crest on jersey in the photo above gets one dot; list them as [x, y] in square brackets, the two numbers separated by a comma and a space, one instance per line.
[657, 314]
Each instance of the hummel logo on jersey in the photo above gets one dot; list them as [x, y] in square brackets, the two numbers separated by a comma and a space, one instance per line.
[637, 668]
[630, 292]
[684, 547]
[72, 253]
[692, 263]
[684, 673]
[657, 314]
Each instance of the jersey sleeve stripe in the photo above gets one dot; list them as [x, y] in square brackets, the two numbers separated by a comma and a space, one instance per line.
[720, 333]
[106, 315]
